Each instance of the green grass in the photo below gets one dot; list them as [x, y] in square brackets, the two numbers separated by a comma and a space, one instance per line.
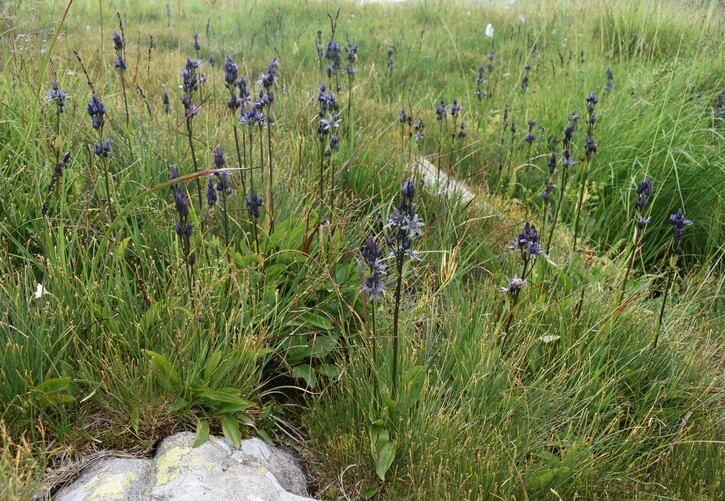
[562, 396]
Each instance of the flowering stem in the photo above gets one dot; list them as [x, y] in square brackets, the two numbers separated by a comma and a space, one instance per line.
[322, 170]
[256, 239]
[239, 158]
[224, 209]
[128, 117]
[664, 302]
[349, 110]
[270, 210]
[581, 202]
[509, 320]
[396, 314]
[558, 207]
[251, 158]
[630, 266]
[108, 189]
[193, 157]
[374, 338]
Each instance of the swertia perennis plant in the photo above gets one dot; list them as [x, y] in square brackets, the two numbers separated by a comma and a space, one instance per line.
[404, 225]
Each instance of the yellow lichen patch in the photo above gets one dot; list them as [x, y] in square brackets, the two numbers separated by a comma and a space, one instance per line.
[168, 466]
[110, 486]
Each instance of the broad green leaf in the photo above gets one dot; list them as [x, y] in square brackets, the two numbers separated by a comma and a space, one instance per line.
[202, 432]
[230, 428]
[386, 456]
[53, 385]
[242, 405]
[332, 371]
[212, 364]
[263, 352]
[134, 420]
[179, 405]
[370, 492]
[306, 373]
[166, 374]
[413, 387]
[121, 247]
[541, 479]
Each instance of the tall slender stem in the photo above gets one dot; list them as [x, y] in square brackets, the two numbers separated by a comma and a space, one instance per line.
[630, 266]
[128, 117]
[193, 157]
[375, 349]
[396, 314]
[270, 206]
[251, 159]
[239, 159]
[664, 303]
[226, 225]
[558, 207]
[580, 204]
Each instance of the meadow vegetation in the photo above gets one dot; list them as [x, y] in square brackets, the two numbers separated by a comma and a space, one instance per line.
[215, 217]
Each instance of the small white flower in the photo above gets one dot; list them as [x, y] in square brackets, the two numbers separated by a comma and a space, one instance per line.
[39, 292]
[489, 30]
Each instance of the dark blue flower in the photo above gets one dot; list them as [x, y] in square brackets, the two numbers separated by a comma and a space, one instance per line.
[96, 110]
[197, 47]
[528, 241]
[211, 196]
[181, 202]
[231, 72]
[645, 187]
[253, 204]
[374, 286]
[119, 63]
[117, 41]
[219, 160]
[678, 220]
[552, 163]
[56, 95]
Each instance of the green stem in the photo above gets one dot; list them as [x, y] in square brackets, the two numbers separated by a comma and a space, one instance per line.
[558, 208]
[270, 207]
[630, 266]
[396, 315]
[664, 302]
[239, 159]
[580, 204]
[193, 157]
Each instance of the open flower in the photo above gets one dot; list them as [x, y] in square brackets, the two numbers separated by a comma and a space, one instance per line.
[514, 284]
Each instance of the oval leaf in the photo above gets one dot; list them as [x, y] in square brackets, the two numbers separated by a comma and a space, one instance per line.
[230, 428]
[202, 432]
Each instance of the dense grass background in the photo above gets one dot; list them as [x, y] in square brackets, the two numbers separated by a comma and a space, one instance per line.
[116, 354]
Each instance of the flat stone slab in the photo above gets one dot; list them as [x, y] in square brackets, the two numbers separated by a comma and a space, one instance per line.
[216, 470]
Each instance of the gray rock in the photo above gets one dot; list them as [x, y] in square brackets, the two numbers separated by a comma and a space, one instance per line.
[216, 470]
[110, 479]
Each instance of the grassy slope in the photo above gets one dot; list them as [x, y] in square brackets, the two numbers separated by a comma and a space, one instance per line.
[593, 413]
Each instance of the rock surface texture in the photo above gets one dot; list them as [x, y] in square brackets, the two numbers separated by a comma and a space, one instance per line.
[216, 470]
